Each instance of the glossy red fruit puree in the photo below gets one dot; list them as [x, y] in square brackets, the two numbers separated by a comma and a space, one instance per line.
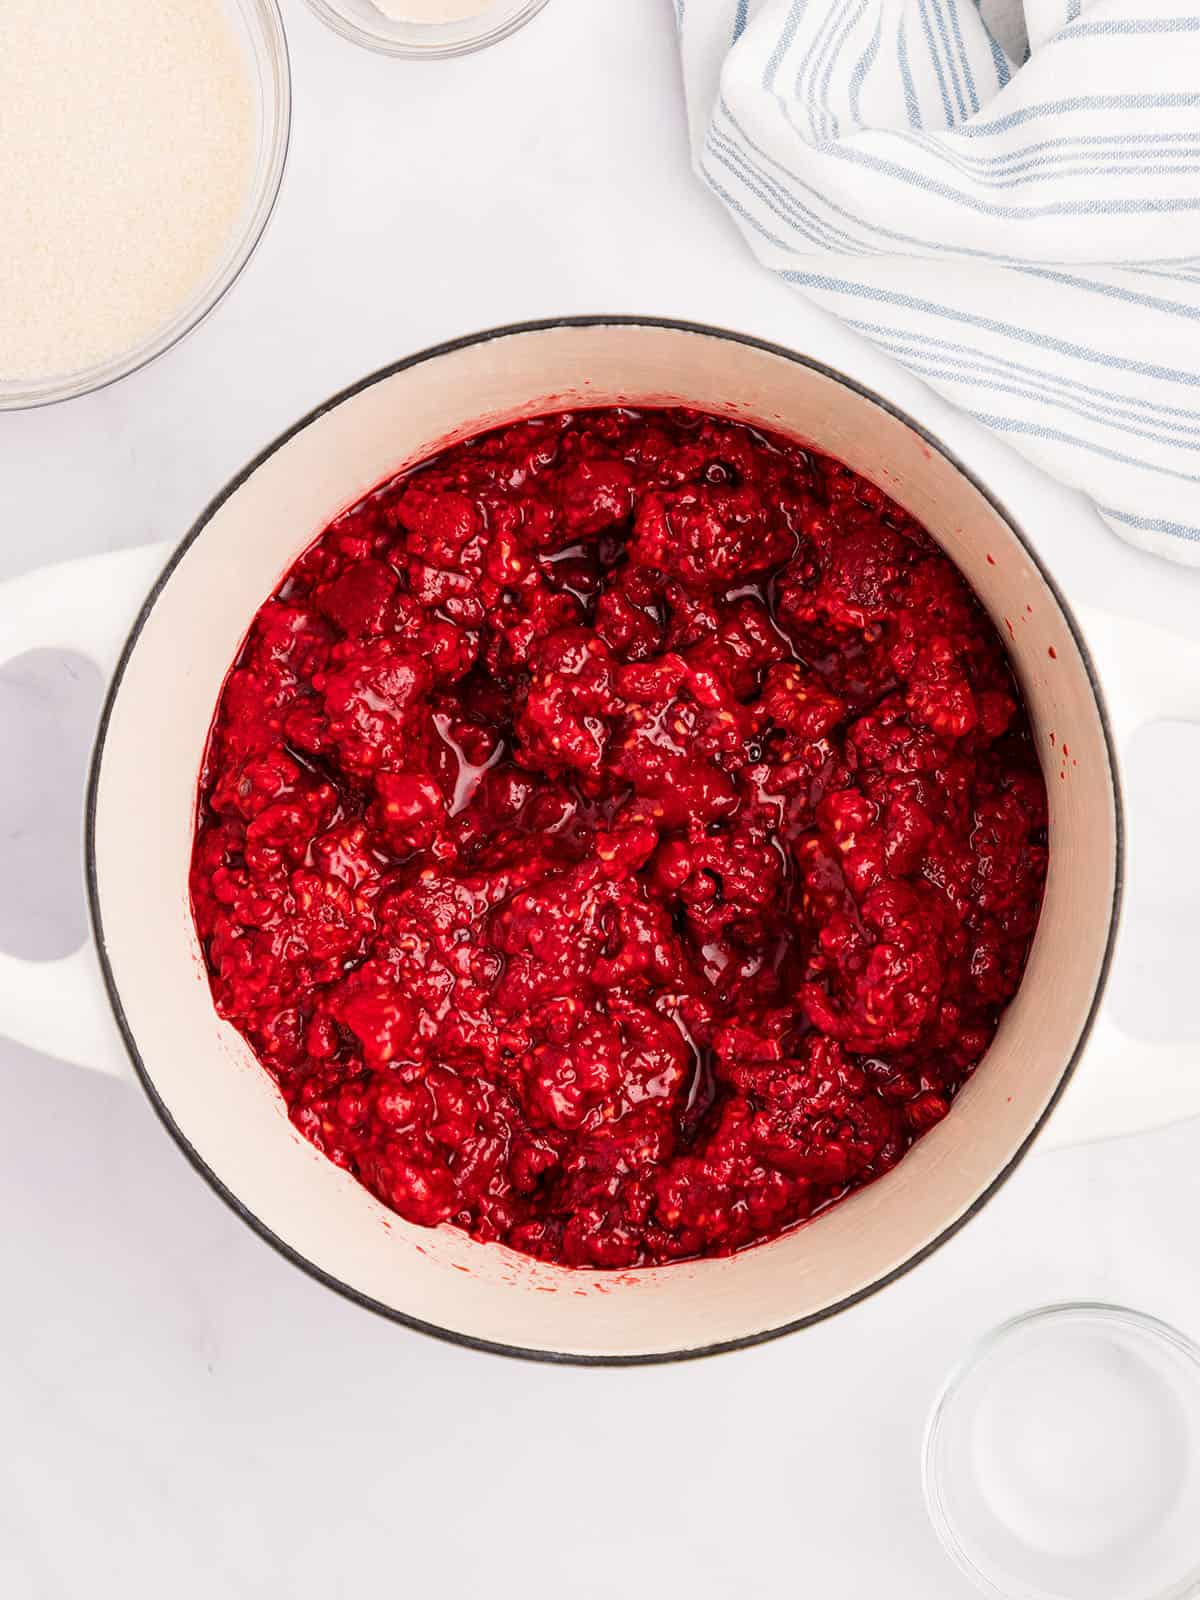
[619, 837]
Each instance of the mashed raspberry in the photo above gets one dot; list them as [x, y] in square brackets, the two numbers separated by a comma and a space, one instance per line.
[619, 837]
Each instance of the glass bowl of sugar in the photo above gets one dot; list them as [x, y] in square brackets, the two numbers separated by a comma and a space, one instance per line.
[143, 152]
[425, 28]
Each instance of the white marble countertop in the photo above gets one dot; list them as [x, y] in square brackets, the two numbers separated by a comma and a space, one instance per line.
[182, 1411]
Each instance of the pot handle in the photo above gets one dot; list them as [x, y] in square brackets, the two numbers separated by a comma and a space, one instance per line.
[86, 607]
[1124, 1084]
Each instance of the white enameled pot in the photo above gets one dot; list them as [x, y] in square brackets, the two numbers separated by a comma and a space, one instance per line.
[222, 1107]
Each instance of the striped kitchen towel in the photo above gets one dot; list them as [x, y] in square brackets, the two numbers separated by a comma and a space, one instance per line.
[1004, 197]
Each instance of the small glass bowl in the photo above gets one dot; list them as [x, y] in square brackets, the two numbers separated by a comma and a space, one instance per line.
[1062, 1459]
[260, 27]
[365, 24]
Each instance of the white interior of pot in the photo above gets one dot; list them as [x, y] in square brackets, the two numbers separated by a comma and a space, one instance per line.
[223, 1102]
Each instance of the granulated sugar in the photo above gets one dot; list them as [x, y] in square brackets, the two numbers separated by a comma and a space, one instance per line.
[127, 132]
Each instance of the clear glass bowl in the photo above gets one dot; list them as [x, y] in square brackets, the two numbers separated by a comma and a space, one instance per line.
[260, 27]
[365, 24]
[1062, 1459]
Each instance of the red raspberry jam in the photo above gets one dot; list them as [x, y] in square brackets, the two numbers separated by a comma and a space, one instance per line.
[619, 837]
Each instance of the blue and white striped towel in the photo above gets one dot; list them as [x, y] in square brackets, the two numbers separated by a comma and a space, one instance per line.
[1004, 197]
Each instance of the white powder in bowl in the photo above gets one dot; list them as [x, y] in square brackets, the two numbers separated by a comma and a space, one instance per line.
[127, 135]
[432, 10]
